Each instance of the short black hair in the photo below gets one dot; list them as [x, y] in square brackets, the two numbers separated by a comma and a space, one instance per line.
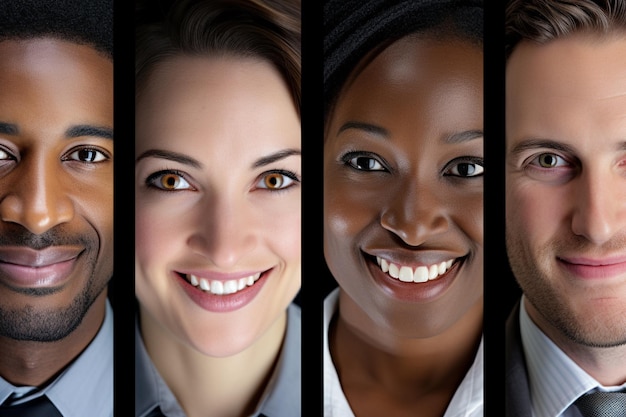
[353, 28]
[87, 22]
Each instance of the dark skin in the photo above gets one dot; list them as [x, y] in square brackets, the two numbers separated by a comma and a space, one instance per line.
[403, 182]
[56, 204]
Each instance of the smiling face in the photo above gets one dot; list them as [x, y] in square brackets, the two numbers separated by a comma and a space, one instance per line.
[403, 188]
[566, 185]
[56, 185]
[218, 200]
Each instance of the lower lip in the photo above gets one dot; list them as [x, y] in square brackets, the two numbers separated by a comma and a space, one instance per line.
[222, 303]
[21, 276]
[594, 271]
[415, 292]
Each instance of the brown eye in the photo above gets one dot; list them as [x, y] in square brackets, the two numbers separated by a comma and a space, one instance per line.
[274, 181]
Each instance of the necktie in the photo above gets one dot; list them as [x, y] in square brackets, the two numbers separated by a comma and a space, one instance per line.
[602, 404]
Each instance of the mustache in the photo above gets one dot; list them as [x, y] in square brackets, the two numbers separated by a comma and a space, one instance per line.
[16, 235]
[580, 244]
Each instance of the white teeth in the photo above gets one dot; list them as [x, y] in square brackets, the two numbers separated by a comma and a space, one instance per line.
[223, 287]
[420, 274]
[384, 265]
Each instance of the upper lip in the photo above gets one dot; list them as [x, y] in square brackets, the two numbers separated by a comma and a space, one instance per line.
[38, 258]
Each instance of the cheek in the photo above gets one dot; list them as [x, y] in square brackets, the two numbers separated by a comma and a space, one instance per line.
[533, 211]
[155, 235]
[284, 234]
[470, 218]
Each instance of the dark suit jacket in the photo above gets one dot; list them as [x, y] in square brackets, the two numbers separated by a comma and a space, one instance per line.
[517, 390]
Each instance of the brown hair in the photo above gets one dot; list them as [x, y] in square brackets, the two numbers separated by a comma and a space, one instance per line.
[544, 20]
[265, 29]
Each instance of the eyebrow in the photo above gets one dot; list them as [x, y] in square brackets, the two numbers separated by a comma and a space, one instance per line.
[8, 128]
[73, 132]
[464, 136]
[527, 144]
[276, 156]
[367, 127]
[171, 156]
[381, 131]
[89, 130]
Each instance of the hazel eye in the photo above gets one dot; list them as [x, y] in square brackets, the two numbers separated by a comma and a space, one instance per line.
[550, 160]
[275, 181]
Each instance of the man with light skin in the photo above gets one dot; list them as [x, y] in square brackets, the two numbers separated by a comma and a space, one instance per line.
[566, 203]
[56, 207]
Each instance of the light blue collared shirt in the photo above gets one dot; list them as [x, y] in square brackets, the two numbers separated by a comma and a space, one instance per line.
[556, 381]
[85, 387]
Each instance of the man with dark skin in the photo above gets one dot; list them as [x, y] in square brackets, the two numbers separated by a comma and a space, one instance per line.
[56, 205]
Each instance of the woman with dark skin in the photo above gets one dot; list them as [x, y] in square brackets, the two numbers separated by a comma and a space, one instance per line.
[403, 234]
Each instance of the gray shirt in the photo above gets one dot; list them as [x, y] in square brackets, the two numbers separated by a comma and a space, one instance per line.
[85, 387]
[280, 399]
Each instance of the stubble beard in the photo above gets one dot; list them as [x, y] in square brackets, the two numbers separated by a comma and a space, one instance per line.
[586, 327]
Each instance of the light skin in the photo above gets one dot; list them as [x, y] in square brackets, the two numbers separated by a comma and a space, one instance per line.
[566, 194]
[403, 181]
[235, 207]
[56, 203]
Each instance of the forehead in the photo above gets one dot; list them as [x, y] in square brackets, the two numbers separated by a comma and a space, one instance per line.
[51, 84]
[416, 78]
[569, 88]
[215, 102]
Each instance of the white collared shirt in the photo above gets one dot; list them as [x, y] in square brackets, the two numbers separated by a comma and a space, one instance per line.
[466, 402]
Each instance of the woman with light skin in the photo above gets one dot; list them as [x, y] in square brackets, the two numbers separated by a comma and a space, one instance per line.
[403, 208]
[217, 185]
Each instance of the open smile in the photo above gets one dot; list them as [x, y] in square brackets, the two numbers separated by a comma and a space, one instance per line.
[421, 273]
[222, 287]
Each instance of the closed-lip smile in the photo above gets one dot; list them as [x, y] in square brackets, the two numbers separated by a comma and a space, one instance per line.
[26, 267]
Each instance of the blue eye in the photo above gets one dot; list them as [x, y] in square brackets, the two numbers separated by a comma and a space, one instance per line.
[168, 181]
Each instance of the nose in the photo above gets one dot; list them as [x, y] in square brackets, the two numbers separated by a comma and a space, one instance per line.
[36, 196]
[415, 213]
[600, 206]
[225, 231]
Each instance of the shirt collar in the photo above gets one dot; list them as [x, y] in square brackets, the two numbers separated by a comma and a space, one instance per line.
[85, 387]
[548, 368]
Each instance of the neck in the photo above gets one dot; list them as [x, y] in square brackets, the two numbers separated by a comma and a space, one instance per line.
[229, 386]
[26, 363]
[406, 368]
[607, 365]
